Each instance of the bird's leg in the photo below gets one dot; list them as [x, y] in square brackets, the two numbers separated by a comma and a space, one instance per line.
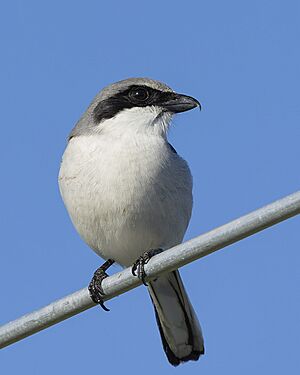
[138, 266]
[95, 286]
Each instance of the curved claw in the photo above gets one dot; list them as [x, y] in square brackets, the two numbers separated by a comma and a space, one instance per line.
[138, 266]
[96, 295]
[133, 269]
[143, 281]
[101, 303]
[95, 286]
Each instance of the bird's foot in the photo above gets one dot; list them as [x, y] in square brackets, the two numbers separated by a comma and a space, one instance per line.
[138, 268]
[95, 286]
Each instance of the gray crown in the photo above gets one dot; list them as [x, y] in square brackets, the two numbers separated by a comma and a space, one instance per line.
[86, 123]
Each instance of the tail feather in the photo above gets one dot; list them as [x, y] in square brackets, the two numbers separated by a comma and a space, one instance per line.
[177, 322]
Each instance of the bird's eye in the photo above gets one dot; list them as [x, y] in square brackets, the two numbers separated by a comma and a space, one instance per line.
[138, 94]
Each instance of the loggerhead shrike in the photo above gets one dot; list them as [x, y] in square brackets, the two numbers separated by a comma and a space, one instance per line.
[129, 195]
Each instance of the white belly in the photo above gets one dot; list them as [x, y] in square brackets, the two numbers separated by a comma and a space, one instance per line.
[126, 196]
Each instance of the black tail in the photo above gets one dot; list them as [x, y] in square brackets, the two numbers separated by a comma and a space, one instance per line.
[177, 322]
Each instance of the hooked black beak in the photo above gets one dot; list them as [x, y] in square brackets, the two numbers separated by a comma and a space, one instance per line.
[180, 103]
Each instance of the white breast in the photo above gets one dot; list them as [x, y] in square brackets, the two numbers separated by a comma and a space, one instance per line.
[126, 195]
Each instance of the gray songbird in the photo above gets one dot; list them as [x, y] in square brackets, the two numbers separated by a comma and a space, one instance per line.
[129, 195]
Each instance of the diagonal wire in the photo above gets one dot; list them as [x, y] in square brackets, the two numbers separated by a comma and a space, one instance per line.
[167, 261]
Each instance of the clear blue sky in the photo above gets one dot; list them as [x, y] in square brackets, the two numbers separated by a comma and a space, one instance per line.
[241, 59]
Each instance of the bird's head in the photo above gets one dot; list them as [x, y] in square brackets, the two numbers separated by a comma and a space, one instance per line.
[134, 104]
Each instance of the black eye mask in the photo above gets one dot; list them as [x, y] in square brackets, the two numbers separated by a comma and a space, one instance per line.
[134, 96]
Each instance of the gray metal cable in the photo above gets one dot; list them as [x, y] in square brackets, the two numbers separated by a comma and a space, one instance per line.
[167, 261]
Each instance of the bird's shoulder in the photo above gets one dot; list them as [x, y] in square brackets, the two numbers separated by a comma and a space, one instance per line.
[171, 148]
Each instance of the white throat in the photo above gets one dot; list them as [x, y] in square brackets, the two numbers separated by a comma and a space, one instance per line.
[139, 120]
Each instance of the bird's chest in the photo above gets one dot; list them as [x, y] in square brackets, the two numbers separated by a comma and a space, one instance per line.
[122, 176]
[125, 195]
